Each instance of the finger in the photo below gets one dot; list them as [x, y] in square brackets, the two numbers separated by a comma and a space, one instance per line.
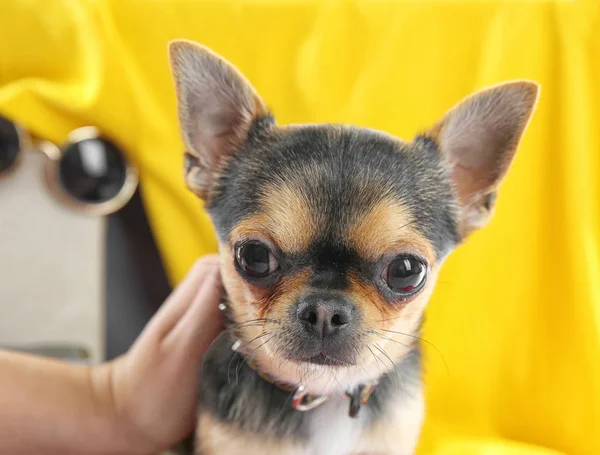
[173, 309]
[201, 322]
[178, 302]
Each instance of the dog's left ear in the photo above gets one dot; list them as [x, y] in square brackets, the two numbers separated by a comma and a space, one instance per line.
[217, 107]
[478, 139]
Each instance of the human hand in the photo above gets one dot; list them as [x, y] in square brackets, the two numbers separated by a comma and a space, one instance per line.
[153, 386]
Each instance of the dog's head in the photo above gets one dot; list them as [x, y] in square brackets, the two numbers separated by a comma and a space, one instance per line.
[331, 237]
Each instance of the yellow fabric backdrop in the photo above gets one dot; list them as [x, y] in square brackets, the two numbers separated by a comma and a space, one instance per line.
[516, 315]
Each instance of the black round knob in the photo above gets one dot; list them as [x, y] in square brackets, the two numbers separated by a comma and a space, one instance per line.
[10, 144]
[92, 170]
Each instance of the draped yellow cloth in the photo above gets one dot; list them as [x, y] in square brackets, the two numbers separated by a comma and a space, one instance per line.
[515, 318]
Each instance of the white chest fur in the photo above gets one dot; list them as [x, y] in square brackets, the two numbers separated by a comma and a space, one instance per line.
[332, 431]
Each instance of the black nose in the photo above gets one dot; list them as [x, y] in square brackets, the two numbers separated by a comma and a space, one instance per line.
[325, 316]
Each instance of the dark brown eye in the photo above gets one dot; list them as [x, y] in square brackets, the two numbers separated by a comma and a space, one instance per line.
[255, 260]
[406, 275]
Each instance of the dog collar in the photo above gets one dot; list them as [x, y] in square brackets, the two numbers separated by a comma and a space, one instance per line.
[302, 400]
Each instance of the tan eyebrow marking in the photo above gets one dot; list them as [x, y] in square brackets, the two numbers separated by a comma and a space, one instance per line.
[285, 216]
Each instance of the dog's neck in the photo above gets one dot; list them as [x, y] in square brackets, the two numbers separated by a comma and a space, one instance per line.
[304, 401]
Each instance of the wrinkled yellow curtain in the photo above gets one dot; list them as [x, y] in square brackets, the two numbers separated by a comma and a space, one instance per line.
[515, 319]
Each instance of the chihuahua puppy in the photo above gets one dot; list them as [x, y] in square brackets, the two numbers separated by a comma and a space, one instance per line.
[331, 239]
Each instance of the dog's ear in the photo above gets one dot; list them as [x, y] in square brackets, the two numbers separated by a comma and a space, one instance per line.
[478, 139]
[217, 106]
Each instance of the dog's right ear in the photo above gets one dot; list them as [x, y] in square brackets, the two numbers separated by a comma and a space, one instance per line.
[217, 107]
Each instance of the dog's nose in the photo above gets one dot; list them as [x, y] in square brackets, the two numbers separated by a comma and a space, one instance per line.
[324, 316]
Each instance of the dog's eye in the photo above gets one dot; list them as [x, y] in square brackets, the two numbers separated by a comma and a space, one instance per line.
[406, 275]
[255, 260]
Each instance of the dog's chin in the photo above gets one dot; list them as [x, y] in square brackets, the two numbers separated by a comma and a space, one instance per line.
[320, 373]
[323, 359]
[318, 370]
[321, 377]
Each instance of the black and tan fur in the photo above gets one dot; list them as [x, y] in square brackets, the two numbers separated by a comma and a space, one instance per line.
[334, 205]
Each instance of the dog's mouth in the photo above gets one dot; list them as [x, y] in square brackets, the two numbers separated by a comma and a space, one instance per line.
[323, 356]
[324, 352]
